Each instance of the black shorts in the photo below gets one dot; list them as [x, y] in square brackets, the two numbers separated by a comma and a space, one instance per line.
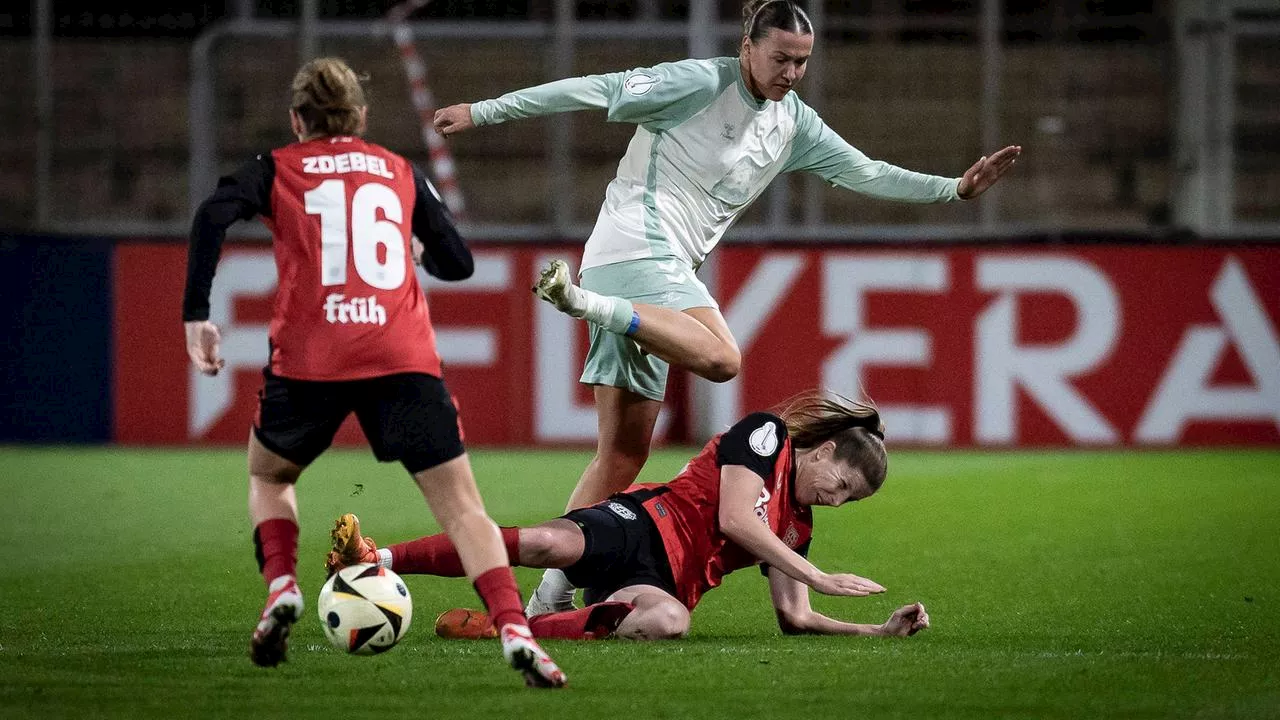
[623, 548]
[408, 417]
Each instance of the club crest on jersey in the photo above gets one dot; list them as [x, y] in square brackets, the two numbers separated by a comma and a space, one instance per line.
[622, 511]
[764, 439]
[791, 537]
[366, 311]
[640, 83]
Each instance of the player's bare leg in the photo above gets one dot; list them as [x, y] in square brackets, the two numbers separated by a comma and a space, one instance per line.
[626, 421]
[451, 493]
[657, 615]
[557, 543]
[273, 508]
[697, 339]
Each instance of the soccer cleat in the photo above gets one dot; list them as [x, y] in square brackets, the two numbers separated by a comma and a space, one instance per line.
[464, 624]
[349, 546]
[271, 637]
[523, 653]
[556, 287]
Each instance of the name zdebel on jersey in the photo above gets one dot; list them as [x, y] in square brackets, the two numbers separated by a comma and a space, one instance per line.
[347, 163]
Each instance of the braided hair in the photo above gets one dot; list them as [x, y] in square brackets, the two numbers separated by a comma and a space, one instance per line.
[761, 16]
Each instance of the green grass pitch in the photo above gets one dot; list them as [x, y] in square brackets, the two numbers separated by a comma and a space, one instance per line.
[1061, 585]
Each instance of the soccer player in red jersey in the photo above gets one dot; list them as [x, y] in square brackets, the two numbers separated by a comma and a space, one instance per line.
[351, 332]
[645, 557]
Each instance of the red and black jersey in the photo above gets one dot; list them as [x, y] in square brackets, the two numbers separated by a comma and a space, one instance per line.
[686, 510]
[341, 212]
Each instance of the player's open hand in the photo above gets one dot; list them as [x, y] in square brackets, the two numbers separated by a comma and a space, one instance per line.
[987, 171]
[846, 585]
[203, 343]
[453, 119]
[906, 620]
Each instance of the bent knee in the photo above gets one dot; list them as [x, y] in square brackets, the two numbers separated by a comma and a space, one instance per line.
[538, 547]
[725, 366]
[665, 621]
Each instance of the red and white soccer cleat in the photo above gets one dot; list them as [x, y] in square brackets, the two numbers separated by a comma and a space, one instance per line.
[271, 637]
[349, 546]
[464, 624]
[524, 654]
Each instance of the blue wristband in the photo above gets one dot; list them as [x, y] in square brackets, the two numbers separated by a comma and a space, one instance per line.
[635, 323]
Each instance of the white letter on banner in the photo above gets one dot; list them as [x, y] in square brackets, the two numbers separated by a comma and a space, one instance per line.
[557, 415]
[1002, 365]
[846, 282]
[469, 345]
[1184, 392]
[243, 345]
[752, 307]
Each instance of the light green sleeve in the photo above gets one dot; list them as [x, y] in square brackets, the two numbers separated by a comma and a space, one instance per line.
[817, 148]
[659, 97]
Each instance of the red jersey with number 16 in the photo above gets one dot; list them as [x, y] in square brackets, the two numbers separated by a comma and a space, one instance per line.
[348, 305]
[686, 510]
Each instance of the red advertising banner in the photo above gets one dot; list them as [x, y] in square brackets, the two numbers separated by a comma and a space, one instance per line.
[511, 364]
[1079, 345]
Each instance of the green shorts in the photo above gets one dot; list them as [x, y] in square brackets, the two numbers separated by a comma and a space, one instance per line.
[615, 360]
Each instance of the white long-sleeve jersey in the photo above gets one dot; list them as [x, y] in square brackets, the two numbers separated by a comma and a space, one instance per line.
[704, 149]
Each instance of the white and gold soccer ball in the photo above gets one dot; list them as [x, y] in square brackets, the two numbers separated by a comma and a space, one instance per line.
[365, 609]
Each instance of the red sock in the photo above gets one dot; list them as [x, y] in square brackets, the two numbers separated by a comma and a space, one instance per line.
[437, 555]
[497, 589]
[593, 622]
[276, 544]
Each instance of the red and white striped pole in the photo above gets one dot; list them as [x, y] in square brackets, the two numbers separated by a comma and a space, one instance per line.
[443, 169]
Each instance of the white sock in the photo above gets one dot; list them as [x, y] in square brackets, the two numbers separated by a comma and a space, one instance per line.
[576, 301]
[611, 313]
[384, 558]
[555, 588]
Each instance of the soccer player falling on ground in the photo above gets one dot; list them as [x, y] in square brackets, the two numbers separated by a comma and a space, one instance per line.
[351, 332]
[711, 136]
[646, 556]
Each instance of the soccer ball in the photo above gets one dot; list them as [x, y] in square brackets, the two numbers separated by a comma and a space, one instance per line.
[365, 609]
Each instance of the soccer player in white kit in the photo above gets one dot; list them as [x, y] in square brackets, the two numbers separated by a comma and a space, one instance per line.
[710, 137]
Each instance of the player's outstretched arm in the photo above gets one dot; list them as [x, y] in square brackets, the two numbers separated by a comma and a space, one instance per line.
[568, 95]
[660, 96]
[739, 488]
[797, 617]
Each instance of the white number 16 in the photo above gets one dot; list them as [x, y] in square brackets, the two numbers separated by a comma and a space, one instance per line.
[367, 232]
